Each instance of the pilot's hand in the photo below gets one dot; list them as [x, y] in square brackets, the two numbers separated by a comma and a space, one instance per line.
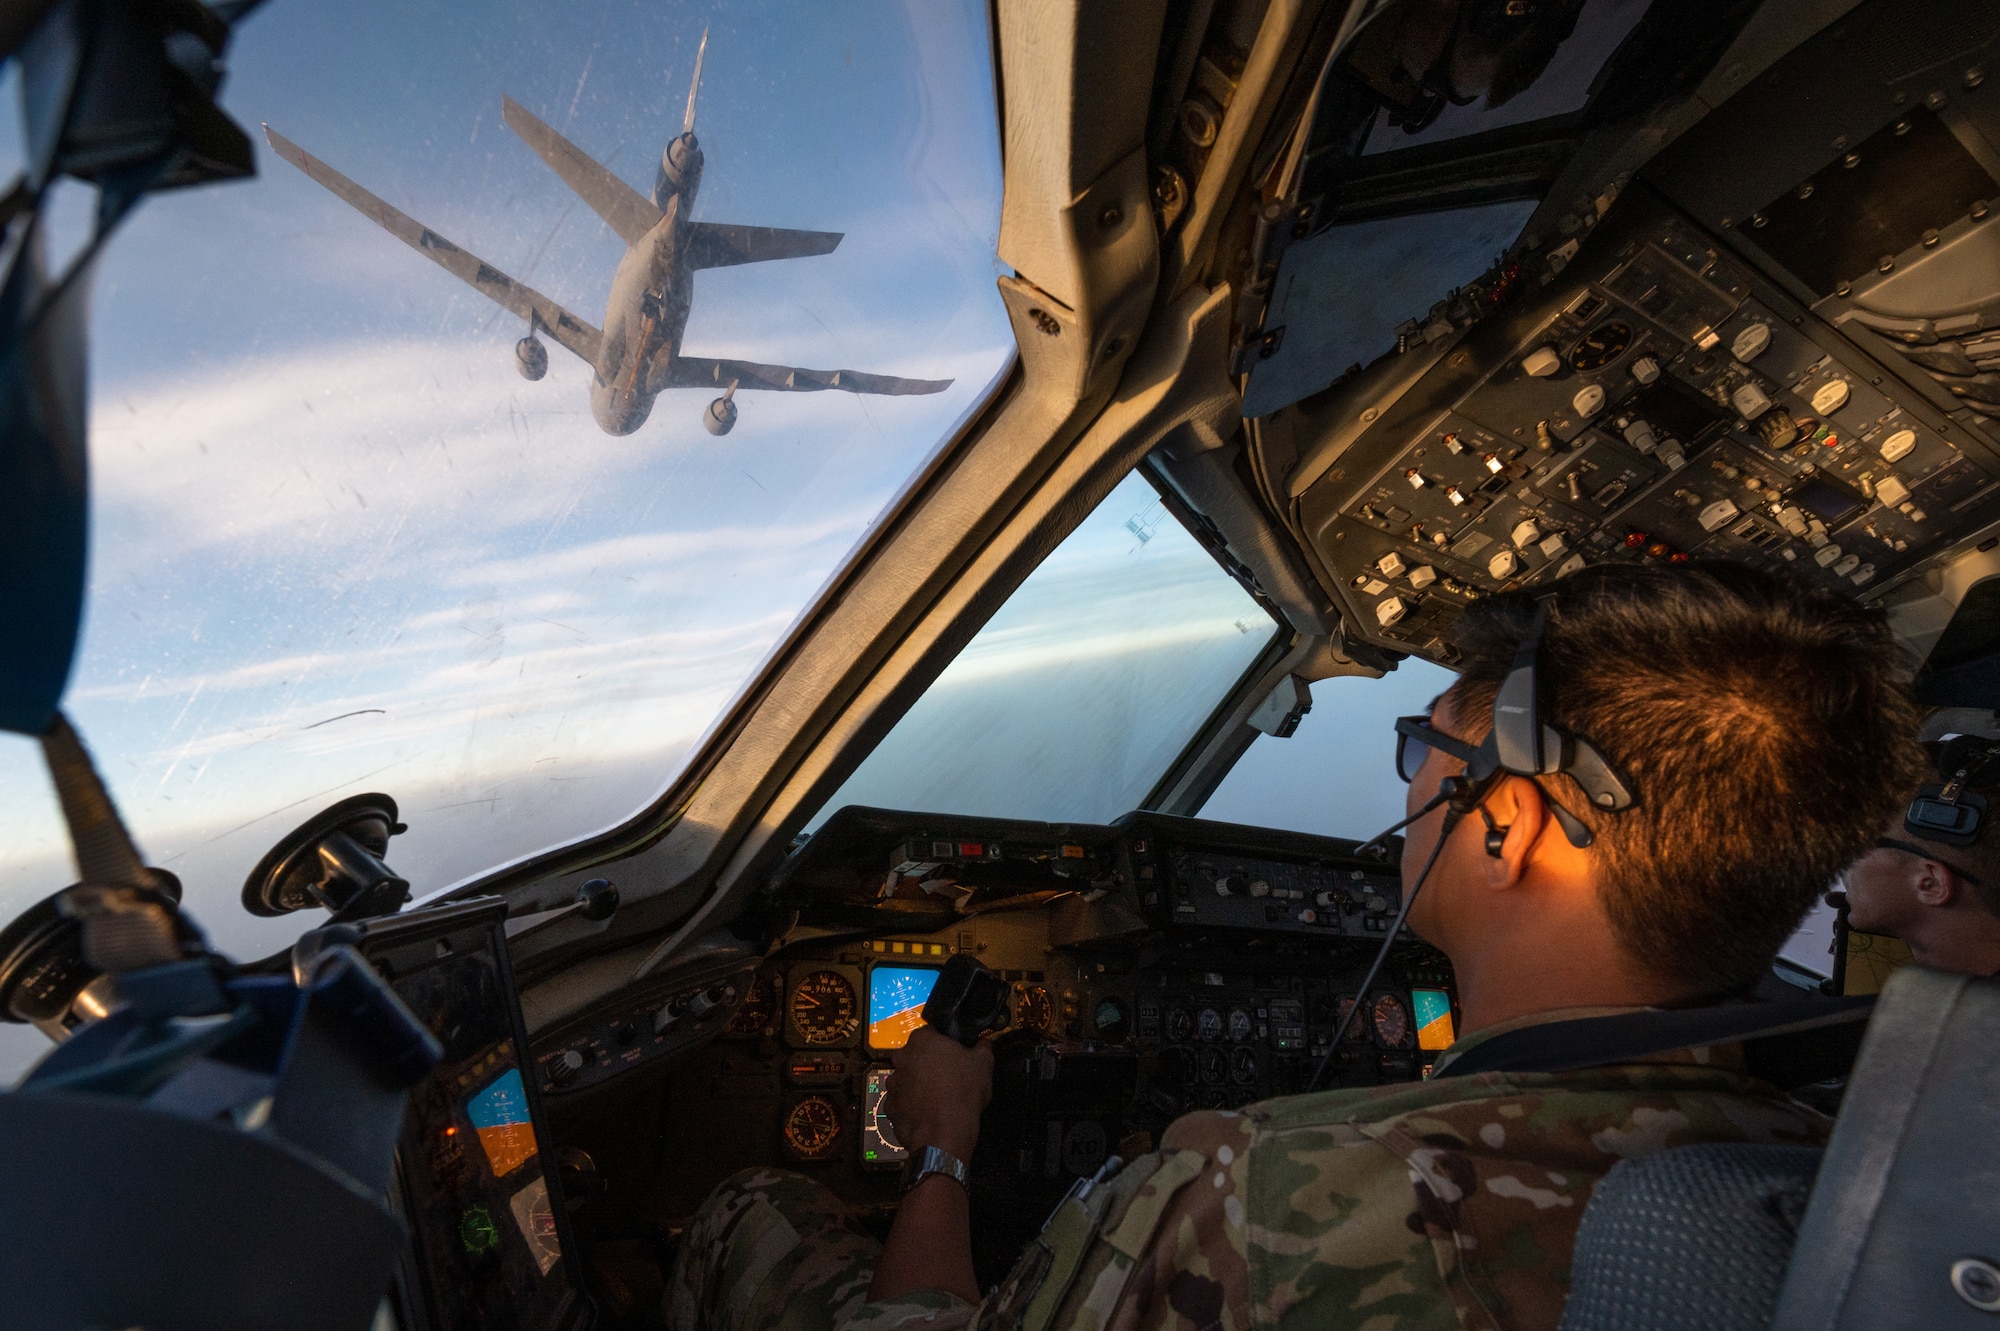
[939, 1091]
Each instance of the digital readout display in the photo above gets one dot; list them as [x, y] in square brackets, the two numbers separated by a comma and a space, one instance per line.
[896, 996]
[1434, 1025]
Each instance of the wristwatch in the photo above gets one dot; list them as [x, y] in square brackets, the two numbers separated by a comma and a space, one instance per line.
[933, 1160]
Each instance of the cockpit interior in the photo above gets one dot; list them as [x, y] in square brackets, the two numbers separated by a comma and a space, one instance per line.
[661, 774]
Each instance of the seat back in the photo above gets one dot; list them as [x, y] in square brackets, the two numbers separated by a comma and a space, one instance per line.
[1693, 1239]
[1903, 1227]
[1895, 1224]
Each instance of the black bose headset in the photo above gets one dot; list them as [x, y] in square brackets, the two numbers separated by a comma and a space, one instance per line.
[1946, 811]
[1520, 743]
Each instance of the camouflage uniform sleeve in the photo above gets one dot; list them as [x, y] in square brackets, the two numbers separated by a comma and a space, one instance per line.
[1230, 1227]
[1112, 1259]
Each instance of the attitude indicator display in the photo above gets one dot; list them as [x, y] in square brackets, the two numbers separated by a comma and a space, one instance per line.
[1434, 1025]
[896, 997]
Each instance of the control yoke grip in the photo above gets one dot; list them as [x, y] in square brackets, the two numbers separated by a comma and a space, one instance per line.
[967, 1001]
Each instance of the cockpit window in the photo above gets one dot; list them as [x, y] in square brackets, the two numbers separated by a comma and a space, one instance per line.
[1336, 774]
[431, 509]
[1078, 695]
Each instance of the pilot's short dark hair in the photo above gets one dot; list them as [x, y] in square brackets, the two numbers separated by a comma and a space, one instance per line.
[1764, 724]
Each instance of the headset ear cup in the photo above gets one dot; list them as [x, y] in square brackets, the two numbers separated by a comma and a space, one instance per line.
[1496, 841]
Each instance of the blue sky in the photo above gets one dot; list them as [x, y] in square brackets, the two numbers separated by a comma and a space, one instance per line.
[340, 545]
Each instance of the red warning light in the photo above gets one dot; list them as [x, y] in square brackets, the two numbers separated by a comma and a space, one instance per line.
[1635, 539]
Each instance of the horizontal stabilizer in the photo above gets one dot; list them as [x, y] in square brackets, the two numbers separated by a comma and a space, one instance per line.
[700, 372]
[713, 245]
[495, 285]
[624, 209]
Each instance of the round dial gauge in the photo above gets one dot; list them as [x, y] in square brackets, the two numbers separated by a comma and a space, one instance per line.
[1358, 1030]
[1033, 1011]
[1600, 346]
[1179, 1025]
[813, 1126]
[1243, 1066]
[1392, 1022]
[1239, 1024]
[823, 1008]
[1208, 1024]
[1214, 1066]
[758, 1010]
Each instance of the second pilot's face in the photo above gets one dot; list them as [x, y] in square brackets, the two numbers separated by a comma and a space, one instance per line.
[1877, 890]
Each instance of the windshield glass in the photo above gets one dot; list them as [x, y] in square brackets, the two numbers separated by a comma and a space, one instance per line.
[1078, 695]
[345, 540]
[1336, 774]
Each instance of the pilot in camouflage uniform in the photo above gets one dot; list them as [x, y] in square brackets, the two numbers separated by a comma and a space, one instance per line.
[1448, 1203]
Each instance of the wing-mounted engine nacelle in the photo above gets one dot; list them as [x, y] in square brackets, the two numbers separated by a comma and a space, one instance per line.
[720, 418]
[680, 170]
[531, 358]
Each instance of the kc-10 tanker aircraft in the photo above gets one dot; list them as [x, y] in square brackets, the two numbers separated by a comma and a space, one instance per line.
[638, 351]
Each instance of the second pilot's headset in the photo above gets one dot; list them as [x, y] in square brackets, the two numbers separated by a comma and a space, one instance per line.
[1949, 811]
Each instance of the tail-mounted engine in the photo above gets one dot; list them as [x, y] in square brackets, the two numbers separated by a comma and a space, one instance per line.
[680, 170]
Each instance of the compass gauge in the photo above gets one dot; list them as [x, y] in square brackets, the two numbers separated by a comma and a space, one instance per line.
[812, 1127]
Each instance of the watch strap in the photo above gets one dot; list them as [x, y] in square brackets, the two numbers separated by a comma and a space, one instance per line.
[934, 1160]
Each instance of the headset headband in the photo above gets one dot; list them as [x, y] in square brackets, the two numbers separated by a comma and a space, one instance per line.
[1520, 744]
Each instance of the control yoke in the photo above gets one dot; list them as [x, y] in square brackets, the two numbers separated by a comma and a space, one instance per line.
[967, 1001]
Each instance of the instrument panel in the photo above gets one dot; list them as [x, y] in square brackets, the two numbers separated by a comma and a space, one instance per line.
[1156, 966]
[687, 1011]
[1194, 965]
[1659, 401]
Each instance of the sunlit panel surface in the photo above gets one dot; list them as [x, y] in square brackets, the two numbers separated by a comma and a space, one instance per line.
[1080, 693]
[341, 545]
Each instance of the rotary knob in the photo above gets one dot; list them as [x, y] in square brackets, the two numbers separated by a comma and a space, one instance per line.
[567, 1066]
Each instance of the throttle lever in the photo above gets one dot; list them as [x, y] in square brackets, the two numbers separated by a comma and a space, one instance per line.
[967, 1001]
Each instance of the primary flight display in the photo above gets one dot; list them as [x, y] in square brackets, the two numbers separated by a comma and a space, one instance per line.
[896, 996]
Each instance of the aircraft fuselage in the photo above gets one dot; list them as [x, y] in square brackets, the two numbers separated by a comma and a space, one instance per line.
[643, 322]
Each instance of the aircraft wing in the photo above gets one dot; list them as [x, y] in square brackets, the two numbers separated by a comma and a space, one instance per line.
[718, 245]
[495, 285]
[624, 209]
[701, 372]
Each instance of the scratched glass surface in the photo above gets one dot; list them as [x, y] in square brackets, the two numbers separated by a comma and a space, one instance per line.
[341, 543]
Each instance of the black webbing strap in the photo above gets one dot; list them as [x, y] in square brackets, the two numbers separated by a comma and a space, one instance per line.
[1791, 1043]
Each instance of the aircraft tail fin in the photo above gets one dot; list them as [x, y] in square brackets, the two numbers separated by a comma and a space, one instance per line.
[718, 245]
[625, 210]
[694, 87]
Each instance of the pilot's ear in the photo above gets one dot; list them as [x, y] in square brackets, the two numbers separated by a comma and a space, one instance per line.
[1520, 817]
[1933, 884]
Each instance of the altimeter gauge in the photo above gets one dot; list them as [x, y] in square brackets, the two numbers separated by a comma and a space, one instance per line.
[1392, 1022]
[823, 1008]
